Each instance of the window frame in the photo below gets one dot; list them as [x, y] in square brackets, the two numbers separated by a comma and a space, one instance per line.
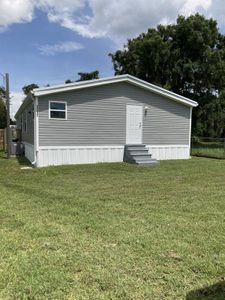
[62, 110]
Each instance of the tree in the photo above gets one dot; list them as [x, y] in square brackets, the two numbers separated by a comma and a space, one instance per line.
[85, 76]
[68, 81]
[187, 58]
[28, 88]
[3, 112]
[3, 120]
[88, 76]
[2, 93]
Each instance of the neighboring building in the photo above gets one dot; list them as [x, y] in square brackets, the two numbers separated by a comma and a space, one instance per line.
[92, 121]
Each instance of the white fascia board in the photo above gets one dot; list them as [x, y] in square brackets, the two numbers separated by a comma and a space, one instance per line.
[78, 85]
[122, 78]
[161, 91]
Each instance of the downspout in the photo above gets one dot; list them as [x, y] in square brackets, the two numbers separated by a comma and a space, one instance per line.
[35, 99]
[190, 127]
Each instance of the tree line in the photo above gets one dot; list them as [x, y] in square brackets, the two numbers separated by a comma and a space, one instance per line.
[187, 57]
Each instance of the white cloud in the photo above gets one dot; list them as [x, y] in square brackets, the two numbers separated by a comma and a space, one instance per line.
[64, 47]
[217, 10]
[16, 99]
[122, 19]
[19, 11]
[60, 6]
[191, 6]
[114, 19]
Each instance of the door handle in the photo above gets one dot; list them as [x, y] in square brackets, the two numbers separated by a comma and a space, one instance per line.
[140, 125]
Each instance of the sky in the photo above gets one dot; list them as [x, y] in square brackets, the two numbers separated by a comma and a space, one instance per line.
[50, 41]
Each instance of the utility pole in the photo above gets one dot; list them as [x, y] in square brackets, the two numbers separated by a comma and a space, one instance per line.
[8, 115]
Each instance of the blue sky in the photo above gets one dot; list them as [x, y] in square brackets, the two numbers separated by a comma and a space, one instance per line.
[21, 56]
[49, 41]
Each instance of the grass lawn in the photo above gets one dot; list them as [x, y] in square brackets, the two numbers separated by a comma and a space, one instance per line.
[209, 152]
[113, 231]
[209, 149]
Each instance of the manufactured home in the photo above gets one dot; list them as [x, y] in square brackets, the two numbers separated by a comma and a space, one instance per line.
[105, 120]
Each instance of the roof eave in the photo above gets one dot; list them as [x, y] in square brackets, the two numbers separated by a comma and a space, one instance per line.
[77, 85]
[27, 99]
[122, 78]
[164, 92]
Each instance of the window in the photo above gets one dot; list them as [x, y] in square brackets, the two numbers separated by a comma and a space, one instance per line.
[57, 110]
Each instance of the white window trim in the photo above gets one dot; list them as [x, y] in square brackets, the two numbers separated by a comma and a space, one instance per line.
[63, 110]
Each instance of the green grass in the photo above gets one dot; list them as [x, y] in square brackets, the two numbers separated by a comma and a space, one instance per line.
[208, 149]
[112, 231]
[209, 152]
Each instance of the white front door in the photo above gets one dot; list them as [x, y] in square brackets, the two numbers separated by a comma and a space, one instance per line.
[134, 124]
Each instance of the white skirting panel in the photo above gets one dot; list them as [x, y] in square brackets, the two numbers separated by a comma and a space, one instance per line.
[166, 152]
[29, 151]
[53, 156]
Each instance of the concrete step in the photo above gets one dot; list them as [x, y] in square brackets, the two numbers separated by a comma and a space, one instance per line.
[152, 162]
[138, 152]
[141, 157]
[135, 147]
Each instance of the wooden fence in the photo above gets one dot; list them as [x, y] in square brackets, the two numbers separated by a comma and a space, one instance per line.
[2, 139]
[15, 136]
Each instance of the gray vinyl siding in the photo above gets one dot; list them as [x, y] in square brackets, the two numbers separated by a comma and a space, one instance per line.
[27, 113]
[97, 116]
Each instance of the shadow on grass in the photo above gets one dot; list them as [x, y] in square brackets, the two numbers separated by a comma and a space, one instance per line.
[3, 154]
[23, 161]
[208, 156]
[212, 292]
[20, 158]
